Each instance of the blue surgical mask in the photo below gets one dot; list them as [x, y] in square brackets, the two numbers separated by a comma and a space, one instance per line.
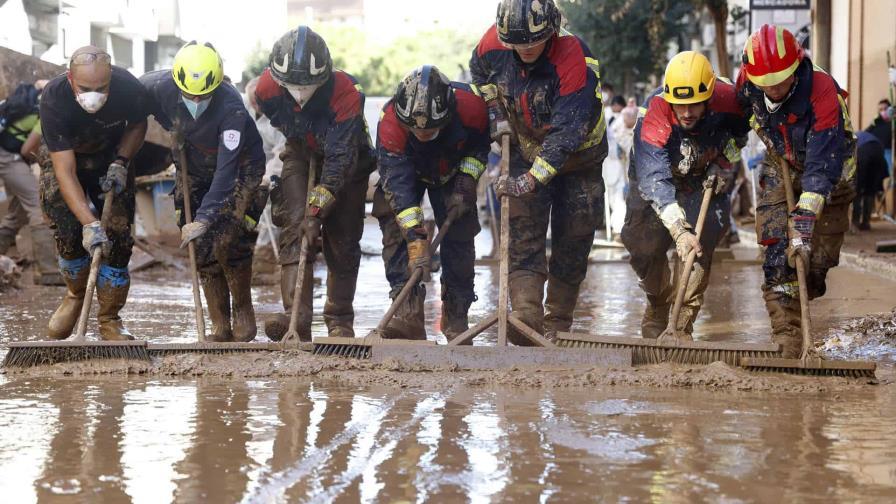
[196, 108]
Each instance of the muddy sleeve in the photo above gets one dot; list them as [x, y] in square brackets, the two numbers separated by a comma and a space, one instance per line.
[231, 143]
[652, 161]
[575, 116]
[340, 152]
[479, 68]
[825, 140]
[399, 180]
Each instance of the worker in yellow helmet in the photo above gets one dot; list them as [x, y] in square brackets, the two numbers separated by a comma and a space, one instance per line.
[689, 130]
[225, 164]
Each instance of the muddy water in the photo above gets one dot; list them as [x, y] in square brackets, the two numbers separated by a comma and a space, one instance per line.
[372, 435]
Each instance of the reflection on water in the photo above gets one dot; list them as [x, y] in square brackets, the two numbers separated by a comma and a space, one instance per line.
[264, 441]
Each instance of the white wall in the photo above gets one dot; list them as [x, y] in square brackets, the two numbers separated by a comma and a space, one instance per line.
[840, 41]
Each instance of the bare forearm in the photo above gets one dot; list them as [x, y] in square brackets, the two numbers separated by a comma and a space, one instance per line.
[72, 192]
[29, 148]
[132, 140]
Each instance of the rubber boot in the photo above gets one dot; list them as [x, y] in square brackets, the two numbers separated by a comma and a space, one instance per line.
[784, 312]
[454, 314]
[339, 314]
[686, 318]
[217, 300]
[408, 321]
[7, 240]
[74, 273]
[526, 294]
[46, 266]
[276, 327]
[239, 279]
[559, 305]
[112, 285]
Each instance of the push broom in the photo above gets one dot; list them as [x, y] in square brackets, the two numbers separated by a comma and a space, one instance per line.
[24, 354]
[809, 363]
[674, 345]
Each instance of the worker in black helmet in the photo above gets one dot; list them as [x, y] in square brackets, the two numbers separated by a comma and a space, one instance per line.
[433, 138]
[320, 110]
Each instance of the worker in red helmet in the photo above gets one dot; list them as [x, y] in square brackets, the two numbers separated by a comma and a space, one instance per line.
[800, 114]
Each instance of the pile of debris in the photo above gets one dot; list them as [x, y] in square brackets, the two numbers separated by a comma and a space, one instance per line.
[871, 336]
[9, 274]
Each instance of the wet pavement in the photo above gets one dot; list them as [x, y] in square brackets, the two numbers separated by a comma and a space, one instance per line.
[118, 438]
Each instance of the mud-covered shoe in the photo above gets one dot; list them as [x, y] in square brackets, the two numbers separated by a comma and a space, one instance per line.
[112, 287]
[74, 273]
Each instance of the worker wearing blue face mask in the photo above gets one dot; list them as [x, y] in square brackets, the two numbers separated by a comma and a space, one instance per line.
[226, 161]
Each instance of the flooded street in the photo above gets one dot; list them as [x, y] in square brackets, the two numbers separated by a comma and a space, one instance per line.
[358, 434]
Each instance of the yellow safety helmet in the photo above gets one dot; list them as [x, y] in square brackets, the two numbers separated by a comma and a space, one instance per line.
[198, 68]
[688, 79]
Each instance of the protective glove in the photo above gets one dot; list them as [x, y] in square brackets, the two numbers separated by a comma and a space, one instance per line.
[724, 178]
[311, 226]
[498, 125]
[192, 231]
[463, 199]
[685, 240]
[800, 227]
[116, 177]
[418, 250]
[93, 235]
[515, 186]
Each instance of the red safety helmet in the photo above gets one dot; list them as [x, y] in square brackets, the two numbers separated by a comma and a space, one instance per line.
[771, 55]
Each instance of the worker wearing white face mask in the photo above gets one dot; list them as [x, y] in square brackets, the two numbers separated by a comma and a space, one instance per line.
[93, 119]
[225, 162]
[320, 111]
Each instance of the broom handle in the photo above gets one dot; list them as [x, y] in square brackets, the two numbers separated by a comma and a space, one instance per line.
[504, 245]
[303, 257]
[708, 185]
[805, 321]
[191, 247]
[415, 277]
[95, 259]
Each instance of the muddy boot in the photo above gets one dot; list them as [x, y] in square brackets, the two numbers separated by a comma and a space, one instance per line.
[454, 314]
[217, 300]
[339, 315]
[112, 285]
[526, 294]
[408, 320]
[686, 319]
[816, 282]
[784, 312]
[7, 240]
[276, 327]
[75, 273]
[46, 267]
[239, 279]
[559, 305]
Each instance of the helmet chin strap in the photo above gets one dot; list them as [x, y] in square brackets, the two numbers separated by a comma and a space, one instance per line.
[773, 106]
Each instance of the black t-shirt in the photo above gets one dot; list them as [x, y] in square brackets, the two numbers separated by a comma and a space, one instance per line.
[67, 126]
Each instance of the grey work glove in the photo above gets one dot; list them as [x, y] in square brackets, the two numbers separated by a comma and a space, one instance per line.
[116, 178]
[685, 240]
[515, 186]
[93, 235]
[800, 227]
[311, 228]
[192, 231]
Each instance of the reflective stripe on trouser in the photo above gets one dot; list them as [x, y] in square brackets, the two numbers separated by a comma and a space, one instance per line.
[647, 241]
[771, 231]
[67, 229]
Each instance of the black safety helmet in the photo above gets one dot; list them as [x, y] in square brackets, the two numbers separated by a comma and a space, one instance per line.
[527, 21]
[301, 57]
[424, 98]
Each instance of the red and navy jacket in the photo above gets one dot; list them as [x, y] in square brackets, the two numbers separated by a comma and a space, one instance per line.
[665, 157]
[811, 130]
[223, 147]
[554, 104]
[331, 124]
[462, 147]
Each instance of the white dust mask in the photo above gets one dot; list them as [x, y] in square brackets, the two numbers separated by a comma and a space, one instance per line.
[92, 101]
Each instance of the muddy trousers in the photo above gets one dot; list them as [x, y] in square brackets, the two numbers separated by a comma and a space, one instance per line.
[458, 256]
[648, 241]
[573, 205]
[341, 235]
[780, 289]
[24, 209]
[224, 253]
[113, 281]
